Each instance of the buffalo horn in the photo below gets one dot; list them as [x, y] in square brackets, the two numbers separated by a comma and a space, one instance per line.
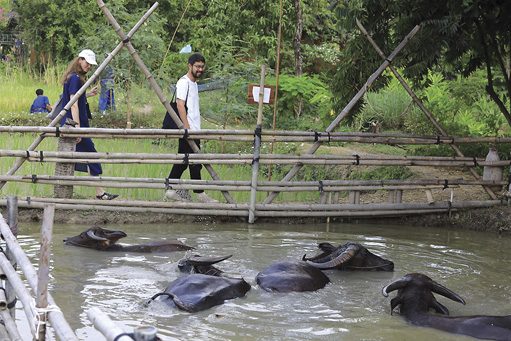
[198, 260]
[441, 290]
[92, 235]
[345, 256]
[401, 283]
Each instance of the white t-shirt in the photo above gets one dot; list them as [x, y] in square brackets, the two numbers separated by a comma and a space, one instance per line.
[186, 87]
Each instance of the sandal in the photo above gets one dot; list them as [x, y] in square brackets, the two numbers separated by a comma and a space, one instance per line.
[107, 196]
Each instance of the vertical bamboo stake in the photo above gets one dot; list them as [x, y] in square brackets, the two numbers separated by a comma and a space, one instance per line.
[43, 272]
[12, 221]
[156, 88]
[257, 149]
[73, 99]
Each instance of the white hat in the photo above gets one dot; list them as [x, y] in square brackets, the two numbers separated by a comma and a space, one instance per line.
[89, 56]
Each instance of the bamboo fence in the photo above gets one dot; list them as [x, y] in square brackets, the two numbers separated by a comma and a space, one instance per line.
[44, 309]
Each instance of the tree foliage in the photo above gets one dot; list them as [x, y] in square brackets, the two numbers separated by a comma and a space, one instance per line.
[456, 36]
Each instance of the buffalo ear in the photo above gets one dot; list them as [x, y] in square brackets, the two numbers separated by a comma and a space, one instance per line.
[394, 303]
[440, 308]
[326, 247]
[441, 290]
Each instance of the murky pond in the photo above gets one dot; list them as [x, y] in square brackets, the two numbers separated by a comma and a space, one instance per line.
[475, 265]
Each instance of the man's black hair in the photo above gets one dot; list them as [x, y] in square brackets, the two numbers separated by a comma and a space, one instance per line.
[196, 57]
[39, 92]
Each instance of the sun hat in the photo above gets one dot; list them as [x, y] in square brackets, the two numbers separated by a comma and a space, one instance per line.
[89, 56]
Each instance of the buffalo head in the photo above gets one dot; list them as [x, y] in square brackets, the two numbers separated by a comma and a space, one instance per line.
[201, 265]
[350, 256]
[415, 295]
[101, 239]
[415, 298]
[96, 238]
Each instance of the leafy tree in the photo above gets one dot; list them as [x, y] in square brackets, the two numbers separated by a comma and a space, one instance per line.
[457, 35]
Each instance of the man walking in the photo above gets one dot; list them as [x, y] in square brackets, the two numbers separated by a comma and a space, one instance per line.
[187, 99]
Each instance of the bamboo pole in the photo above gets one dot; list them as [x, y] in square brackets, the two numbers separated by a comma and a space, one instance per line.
[10, 326]
[247, 135]
[19, 289]
[348, 107]
[419, 103]
[12, 221]
[44, 271]
[257, 149]
[57, 320]
[73, 99]
[102, 322]
[41, 156]
[290, 211]
[154, 85]
[239, 210]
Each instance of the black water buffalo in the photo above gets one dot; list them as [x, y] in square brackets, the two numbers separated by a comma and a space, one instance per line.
[201, 265]
[105, 240]
[198, 292]
[291, 276]
[415, 298]
[350, 256]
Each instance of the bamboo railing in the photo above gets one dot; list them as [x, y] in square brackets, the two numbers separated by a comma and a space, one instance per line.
[44, 309]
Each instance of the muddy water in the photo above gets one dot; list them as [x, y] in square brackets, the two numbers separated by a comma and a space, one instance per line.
[475, 265]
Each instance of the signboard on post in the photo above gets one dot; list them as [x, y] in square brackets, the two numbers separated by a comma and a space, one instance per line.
[253, 94]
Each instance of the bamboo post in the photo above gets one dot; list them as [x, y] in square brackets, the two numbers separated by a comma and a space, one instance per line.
[354, 197]
[145, 333]
[12, 219]
[106, 326]
[157, 89]
[73, 99]
[43, 272]
[65, 144]
[419, 103]
[257, 149]
[348, 107]
[57, 320]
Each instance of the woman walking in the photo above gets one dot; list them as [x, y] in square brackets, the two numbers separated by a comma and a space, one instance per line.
[73, 80]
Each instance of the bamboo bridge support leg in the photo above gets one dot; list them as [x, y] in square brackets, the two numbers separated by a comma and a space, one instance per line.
[419, 103]
[12, 221]
[65, 144]
[156, 88]
[19, 162]
[348, 108]
[257, 150]
[354, 197]
[44, 271]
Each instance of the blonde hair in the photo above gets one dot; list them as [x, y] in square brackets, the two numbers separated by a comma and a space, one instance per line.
[74, 67]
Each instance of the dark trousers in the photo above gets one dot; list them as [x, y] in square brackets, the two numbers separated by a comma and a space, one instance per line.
[178, 169]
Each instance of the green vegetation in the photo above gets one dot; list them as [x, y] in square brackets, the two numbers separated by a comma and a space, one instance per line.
[457, 69]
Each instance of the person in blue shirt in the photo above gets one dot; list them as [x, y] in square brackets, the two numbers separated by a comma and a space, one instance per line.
[79, 113]
[41, 103]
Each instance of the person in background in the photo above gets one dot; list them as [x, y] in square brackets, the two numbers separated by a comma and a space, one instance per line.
[41, 103]
[73, 80]
[187, 99]
[106, 95]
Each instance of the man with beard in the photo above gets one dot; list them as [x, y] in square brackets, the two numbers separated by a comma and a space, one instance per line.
[187, 99]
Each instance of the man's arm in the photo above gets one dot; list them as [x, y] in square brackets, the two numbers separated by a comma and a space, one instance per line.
[182, 113]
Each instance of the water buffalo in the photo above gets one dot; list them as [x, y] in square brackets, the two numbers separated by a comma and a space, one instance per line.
[415, 298]
[350, 256]
[105, 240]
[201, 265]
[291, 276]
[198, 292]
